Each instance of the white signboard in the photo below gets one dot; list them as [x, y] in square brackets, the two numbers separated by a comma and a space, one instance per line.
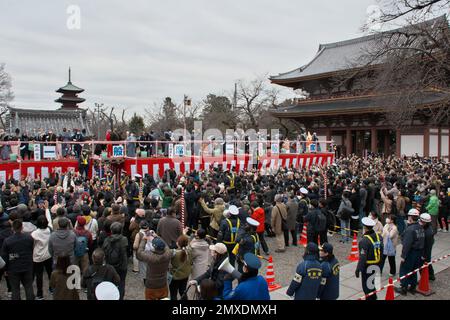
[229, 148]
[49, 152]
[275, 148]
[179, 150]
[44, 172]
[144, 169]
[30, 172]
[37, 152]
[133, 170]
[118, 151]
[170, 150]
[3, 176]
[16, 174]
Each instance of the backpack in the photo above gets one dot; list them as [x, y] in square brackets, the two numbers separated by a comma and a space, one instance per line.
[113, 254]
[95, 279]
[81, 246]
[331, 219]
[394, 210]
[321, 223]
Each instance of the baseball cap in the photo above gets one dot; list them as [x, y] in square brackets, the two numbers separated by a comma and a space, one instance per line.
[219, 247]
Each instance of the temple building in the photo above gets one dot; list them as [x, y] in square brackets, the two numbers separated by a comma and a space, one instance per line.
[352, 115]
[68, 116]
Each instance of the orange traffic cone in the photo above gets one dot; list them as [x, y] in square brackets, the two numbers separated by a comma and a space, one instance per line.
[354, 253]
[424, 284]
[390, 290]
[304, 238]
[270, 276]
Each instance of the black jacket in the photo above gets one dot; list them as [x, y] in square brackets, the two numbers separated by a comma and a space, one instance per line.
[95, 273]
[215, 274]
[428, 243]
[17, 251]
[413, 239]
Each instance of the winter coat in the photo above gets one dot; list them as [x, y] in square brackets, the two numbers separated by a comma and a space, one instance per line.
[157, 266]
[181, 269]
[276, 217]
[390, 231]
[330, 275]
[306, 282]
[58, 281]
[260, 216]
[17, 252]
[169, 229]
[113, 241]
[200, 257]
[215, 274]
[433, 206]
[292, 210]
[254, 288]
[61, 244]
[41, 239]
[216, 214]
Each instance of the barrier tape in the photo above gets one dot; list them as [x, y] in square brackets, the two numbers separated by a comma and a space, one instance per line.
[405, 276]
[347, 229]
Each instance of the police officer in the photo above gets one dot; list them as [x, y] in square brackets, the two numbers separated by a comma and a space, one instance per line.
[84, 164]
[425, 222]
[248, 241]
[329, 288]
[251, 285]
[308, 276]
[370, 250]
[413, 243]
[228, 231]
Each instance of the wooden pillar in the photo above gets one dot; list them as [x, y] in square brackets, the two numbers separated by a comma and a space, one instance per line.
[398, 141]
[439, 143]
[373, 140]
[348, 141]
[386, 143]
[426, 142]
[328, 138]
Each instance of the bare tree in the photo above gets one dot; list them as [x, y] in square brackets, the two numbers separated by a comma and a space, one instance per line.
[6, 95]
[106, 118]
[254, 97]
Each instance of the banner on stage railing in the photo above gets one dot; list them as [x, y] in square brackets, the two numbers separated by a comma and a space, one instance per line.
[30, 172]
[179, 150]
[49, 152]
[16, 174]
[275, 148]
[37, 152]
[118, 151]
[262, 148]
[312, 147]
[229, 148]
[170, 150]
[44, 172]
[3, 176]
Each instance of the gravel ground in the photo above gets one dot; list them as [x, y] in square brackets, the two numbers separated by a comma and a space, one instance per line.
[284, 268]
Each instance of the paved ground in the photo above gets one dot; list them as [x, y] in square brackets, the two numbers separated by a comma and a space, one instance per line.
[286, 263]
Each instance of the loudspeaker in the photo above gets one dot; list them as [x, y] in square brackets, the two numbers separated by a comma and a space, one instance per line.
[226, 266]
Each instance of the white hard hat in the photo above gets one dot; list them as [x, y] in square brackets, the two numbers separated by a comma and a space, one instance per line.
[233, 210]
[252, 222]
[368, 222]
[425, 217]
[107, 291]
[413, 212]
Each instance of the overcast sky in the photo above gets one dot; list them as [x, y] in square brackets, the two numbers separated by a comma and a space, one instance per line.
[134, 53]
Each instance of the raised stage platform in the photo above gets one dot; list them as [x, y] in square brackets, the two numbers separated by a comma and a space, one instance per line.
[158, 165]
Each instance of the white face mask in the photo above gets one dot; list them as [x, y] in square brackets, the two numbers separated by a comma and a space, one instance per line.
[388, 220]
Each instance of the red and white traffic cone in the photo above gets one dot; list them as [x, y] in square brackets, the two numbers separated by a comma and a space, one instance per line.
[304, 238]
[390, 290]
[424, 283]
[354, 253]
[270, 276]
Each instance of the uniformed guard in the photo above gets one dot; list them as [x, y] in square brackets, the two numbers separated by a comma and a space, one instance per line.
[84, 164]
[229, 228]
[370, 250]
[425, 221]
[248, 241]
[413, 241]
[329, 288]
[308, 276]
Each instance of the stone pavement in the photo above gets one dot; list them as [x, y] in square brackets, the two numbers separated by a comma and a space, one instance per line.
[350, 286]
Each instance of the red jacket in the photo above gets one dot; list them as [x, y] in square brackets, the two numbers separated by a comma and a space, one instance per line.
[260, 216]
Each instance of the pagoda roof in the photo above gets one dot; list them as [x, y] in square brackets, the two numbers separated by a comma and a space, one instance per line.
[351, 105]
[340, 56]
[32, 120]
[70, 99]
[69, 87]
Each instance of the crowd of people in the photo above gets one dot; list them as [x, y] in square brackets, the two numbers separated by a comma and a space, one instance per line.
[49, 225]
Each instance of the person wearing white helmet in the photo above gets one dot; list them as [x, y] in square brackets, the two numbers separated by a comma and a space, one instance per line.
[426, 222]
[229, 228]
[370, 250]
[248, 241]
[413, 241]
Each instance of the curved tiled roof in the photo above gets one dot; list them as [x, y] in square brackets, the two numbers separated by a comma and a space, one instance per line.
[342, 55]
[70, 87]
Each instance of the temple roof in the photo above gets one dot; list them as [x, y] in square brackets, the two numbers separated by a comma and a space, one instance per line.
[339, 56]
[356, 104]
[70, 99]
[32, 120]
[69, 87]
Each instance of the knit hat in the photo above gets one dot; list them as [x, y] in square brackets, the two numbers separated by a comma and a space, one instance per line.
[158, 245]
[81, 221]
